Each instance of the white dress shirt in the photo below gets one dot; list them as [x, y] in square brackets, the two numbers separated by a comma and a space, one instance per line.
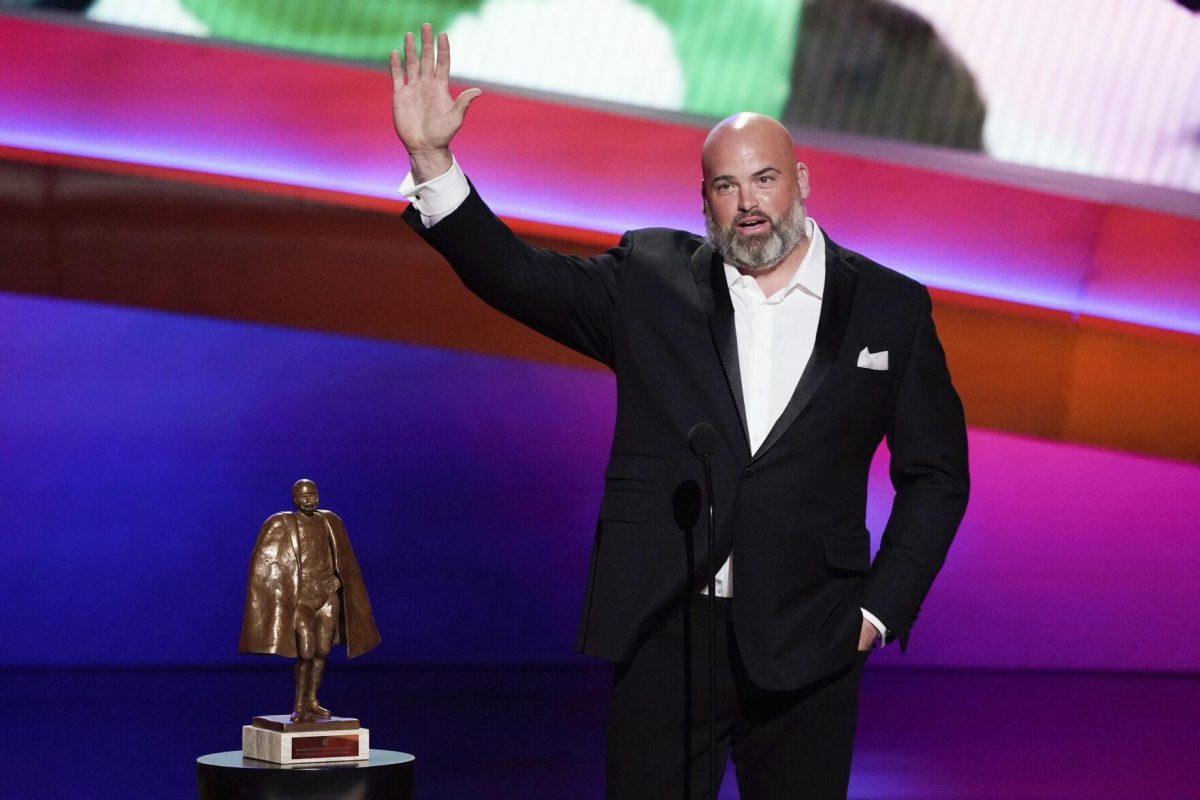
[775, 335]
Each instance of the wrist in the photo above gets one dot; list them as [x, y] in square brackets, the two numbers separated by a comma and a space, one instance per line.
[430, 163]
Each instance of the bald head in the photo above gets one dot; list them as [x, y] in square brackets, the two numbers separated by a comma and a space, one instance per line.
[746, 134]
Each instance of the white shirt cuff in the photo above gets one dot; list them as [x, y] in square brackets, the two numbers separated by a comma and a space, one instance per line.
[879, 626]
[437, 197]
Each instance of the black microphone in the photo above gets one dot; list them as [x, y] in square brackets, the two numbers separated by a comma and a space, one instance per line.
[702, 439]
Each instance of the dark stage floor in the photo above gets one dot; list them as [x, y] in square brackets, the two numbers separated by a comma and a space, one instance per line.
[538, 732]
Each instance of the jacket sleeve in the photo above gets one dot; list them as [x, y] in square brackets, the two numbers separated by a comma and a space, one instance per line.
[927, 437]
[568, 298]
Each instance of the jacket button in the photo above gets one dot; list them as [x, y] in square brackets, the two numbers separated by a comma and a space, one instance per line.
[748, 472]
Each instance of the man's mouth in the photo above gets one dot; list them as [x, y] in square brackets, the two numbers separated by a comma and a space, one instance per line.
[753, 225]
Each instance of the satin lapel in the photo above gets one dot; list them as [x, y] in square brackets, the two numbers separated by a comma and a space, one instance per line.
[709, 272]
[840, 280]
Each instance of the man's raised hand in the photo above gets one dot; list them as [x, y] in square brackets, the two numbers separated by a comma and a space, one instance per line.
[425, 117]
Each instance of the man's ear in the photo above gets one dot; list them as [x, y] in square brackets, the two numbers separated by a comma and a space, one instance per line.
[802, 179]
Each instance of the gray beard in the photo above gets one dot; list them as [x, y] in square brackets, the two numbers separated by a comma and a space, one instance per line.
[759, 253]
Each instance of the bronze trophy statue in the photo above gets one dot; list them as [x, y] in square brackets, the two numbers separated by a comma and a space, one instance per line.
[305, 594]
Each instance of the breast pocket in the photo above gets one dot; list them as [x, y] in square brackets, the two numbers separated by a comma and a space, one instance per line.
[866, 376]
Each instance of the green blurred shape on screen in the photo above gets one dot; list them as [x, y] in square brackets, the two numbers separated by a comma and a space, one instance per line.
[359, 29]
[735, 55]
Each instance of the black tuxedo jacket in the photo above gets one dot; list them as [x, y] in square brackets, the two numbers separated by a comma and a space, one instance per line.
[656, 309]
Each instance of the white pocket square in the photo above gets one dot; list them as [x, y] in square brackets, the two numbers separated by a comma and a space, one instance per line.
[873, 360]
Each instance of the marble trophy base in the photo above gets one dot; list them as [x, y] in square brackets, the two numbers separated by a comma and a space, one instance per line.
[275, 738]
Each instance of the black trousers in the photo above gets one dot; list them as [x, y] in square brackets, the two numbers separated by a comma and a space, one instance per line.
[795, 745]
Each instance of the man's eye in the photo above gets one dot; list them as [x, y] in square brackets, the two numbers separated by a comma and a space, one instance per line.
[764, 179]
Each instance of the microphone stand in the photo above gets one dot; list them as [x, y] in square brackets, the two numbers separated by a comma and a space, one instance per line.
[702, 440]
[706, 459]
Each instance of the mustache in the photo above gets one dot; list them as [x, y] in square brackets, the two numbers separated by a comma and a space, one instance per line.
[744, 217]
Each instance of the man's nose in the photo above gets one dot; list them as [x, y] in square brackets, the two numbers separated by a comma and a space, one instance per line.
[746, 199]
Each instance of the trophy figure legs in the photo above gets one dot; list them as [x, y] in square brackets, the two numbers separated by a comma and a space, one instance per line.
[310, 700]
[308, 676]
[314, 639]
[301, 671]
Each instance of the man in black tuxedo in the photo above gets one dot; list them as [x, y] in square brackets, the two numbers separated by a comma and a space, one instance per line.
[803, 355]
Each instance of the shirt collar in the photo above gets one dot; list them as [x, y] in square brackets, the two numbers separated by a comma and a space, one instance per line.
[810, 275]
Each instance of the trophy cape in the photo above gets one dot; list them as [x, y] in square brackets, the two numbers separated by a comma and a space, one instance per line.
[268, 621]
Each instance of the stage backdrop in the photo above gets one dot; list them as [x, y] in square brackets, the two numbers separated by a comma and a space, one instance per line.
[140, 451]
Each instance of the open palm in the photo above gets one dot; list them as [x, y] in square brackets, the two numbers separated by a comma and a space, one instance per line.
[425, 116]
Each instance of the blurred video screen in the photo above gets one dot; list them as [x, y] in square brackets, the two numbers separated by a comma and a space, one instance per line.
[1109, 88]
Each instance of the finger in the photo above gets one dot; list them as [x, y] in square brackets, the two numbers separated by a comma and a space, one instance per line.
[426, 50]
[463, 101]
[397, 70]
[410, 58]
[442, 71]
